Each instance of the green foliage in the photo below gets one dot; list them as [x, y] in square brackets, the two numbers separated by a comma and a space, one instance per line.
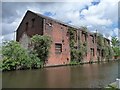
[77, 54]
[0, 50]
[71, 32]
[115, 42]
[108, 52]
[41, 45]
[14, 55]
[35, 62]
[100, 40]
[74, 52]
[115, 46]
[116, 51]
[74, 62]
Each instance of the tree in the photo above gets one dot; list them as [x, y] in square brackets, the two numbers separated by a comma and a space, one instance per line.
[41, 46]
[115, 46]
[115, 42]
[14, 55]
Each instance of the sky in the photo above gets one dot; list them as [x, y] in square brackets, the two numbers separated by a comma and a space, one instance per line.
[100, 15]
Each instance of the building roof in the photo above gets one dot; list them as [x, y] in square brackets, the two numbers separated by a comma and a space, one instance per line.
[58, 21]
[63, 23]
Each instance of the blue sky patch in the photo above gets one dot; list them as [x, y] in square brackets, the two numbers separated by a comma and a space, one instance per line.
[48, 14]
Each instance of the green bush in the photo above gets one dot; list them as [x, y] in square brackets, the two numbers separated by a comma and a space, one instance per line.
[74, 63]
[35, 62]
[41, 46]
[16, 57]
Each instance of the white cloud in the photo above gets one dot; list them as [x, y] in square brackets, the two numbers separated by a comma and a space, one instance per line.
[100, 17]
[8, 37]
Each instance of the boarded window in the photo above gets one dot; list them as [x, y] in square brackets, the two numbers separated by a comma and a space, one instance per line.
[58, 48]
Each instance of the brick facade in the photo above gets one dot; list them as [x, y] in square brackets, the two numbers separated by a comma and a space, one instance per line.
[34, 23]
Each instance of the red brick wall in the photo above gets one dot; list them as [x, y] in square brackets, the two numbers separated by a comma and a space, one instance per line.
[37, 28]
[90, 45]
[58, 33]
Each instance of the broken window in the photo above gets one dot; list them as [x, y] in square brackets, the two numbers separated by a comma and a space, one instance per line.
[58, 48]
[49, 26]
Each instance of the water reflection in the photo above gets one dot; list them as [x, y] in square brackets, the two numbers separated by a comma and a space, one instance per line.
[87, 75]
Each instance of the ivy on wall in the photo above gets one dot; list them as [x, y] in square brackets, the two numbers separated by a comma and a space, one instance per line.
[77, 51]
[107, 49]
[41, 46]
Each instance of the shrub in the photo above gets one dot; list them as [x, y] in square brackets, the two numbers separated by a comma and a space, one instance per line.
[14, 55]
[41, 46]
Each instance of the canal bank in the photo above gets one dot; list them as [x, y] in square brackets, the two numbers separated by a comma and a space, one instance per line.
[81, 63]
[112, 85]
[78, 76]
[115, 85]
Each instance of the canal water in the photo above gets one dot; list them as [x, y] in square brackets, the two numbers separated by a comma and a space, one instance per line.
[81, 76]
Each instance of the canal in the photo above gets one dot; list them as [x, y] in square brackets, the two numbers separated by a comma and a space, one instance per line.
[80, 76]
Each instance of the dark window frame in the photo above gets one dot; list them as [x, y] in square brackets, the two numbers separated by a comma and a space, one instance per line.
[58, 48]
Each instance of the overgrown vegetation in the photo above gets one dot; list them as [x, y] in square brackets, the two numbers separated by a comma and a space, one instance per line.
[107, 49]
[41, 46]
[116, 47]
[77, 52]
[100, 40]
[16, 57]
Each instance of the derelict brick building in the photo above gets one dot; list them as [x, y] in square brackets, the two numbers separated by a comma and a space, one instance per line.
[34, 23]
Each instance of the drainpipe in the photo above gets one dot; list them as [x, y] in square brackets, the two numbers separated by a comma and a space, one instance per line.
[118, 83]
